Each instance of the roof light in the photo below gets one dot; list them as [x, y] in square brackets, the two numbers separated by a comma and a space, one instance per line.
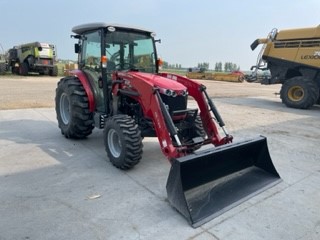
[111, 29]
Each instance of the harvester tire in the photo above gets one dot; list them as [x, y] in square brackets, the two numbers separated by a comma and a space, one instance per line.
[54, 71]
[23, 69]
[72, 109]
[299, 92]
[123, 141]
[14, 70]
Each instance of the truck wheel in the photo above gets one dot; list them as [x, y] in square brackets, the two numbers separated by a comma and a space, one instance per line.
[72, 109]
[123, 141]
[23, 69]
[299, 92]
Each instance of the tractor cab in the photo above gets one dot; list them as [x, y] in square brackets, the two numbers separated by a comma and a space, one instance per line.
[104, 49]
[120, 48]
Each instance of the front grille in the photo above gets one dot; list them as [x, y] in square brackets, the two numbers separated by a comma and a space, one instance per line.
[43, 61]
[175, 103]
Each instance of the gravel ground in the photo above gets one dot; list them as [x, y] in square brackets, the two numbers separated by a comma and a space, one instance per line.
[27, 92]
[46, 181]
[39, 91]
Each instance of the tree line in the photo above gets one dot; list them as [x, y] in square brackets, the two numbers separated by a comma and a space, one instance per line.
[228, 67]
[219, 66]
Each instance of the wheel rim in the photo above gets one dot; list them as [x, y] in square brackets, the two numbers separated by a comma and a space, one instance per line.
[114, 143]
[65, 108]
[296, 93]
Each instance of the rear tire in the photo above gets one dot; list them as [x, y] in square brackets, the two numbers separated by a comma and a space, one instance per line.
[72, 109]
[299, 92]
[123, 141]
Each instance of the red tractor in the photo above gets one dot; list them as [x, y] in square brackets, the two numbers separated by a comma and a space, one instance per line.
[118, 88]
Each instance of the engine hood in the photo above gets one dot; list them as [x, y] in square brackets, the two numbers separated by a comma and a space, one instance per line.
[158, 81]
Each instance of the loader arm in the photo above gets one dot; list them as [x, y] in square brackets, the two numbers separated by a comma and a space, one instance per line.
[147, 94]
[197, 91]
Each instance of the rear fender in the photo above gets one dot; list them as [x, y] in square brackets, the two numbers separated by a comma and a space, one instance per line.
[86, 85]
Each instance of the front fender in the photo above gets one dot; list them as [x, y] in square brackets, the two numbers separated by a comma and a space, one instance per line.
[87, 87]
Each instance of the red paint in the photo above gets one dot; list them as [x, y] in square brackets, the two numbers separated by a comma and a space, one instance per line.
[86, 85]
[146, 83]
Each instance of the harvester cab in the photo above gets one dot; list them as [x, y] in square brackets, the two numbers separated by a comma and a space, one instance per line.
[118, 88]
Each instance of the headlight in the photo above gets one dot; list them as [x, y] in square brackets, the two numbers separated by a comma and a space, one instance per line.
[170, 93]
[184, 93]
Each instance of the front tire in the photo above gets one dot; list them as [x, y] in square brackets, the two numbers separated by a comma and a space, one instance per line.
[123, 141]
[72, 109]
[23, 69]
[299, 92]
[192, 128]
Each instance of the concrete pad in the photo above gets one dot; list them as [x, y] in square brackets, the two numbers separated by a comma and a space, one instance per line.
[55, 188]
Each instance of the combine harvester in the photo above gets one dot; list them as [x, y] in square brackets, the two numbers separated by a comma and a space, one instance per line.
[33, 57]
[293, 58]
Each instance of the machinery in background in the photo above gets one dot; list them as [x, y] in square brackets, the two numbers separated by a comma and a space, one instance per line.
[199, 73]
[33, 57]
[293, 59]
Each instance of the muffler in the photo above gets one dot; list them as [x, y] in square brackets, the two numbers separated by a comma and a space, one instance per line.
[205, 184]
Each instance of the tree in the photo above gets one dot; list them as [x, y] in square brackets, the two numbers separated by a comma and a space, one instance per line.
[218, 67]
[230, 67]
[165, 64]
[203, 65]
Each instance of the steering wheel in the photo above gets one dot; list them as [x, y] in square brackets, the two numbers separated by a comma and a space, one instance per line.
[115, 56]
[126, 66]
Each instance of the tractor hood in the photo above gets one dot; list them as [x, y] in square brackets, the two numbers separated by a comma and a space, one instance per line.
[157, 81]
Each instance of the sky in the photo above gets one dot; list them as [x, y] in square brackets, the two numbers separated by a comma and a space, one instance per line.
[191, 32]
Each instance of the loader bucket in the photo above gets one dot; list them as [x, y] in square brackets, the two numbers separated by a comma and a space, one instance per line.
[203, 185]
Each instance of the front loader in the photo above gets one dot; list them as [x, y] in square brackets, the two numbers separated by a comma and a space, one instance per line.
[118, 88]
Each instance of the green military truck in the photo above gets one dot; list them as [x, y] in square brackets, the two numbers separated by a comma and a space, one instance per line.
[33, 57]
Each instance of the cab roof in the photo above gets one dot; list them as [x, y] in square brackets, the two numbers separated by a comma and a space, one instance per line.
[80, 29]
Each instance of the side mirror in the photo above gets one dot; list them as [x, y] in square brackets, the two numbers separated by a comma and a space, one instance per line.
[76, 48]
[40, 49]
